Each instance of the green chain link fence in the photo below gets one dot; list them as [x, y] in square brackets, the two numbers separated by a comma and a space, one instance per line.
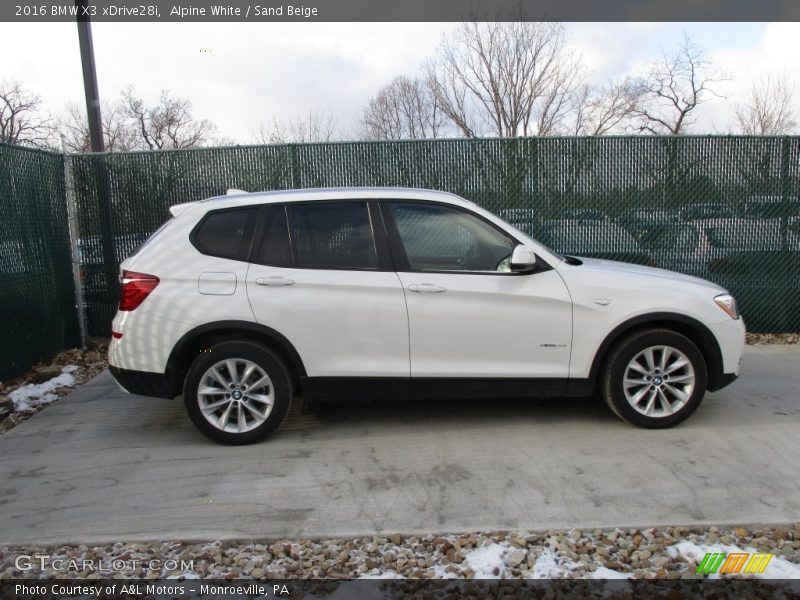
[725, 208]
[720, 207]
[37, 295]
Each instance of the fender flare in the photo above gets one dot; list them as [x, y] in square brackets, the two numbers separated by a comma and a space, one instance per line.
[176, 360]
[689, 326]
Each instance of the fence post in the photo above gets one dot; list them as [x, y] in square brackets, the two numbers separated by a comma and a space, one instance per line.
[74, 236]
[785, 183]
[785, 160]
[534, 171]
[296, 179]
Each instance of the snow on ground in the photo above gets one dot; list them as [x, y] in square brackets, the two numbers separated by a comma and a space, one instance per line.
[606, 573]
[441, 572]
[549, 566]
[778, 568]
[33, 395]
[491, 562]
[494, 561]
[487, 561]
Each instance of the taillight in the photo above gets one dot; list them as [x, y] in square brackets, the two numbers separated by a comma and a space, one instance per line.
[135, 288]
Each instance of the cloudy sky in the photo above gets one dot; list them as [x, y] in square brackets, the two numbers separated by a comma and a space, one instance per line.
[241, 74]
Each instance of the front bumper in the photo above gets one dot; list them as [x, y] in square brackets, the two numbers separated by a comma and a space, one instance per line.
[730, 336]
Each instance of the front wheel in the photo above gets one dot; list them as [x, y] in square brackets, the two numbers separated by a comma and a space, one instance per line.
[237, 393]
[654, 378]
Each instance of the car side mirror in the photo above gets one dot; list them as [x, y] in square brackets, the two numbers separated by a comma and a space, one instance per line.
[523, 260]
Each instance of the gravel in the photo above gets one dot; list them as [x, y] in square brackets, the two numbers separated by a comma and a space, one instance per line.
[773, 338]
[665, 553]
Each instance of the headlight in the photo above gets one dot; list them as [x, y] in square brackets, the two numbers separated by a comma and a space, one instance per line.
[727, 303]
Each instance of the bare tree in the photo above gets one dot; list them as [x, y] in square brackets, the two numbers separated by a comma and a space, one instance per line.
[21, 117]
[604, 109]
[768, 109]
[674, 87]
[167, 124]
[316, 126]
[505, 78]
[405, 108]
[118, 135]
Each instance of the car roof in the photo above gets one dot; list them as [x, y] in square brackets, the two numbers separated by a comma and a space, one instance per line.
[299, 195]
[235, 198]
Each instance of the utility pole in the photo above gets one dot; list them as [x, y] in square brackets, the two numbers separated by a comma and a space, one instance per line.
[90, 78]
[110, 294]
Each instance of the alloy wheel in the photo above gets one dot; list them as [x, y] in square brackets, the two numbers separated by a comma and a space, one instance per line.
[235, 395]
[659, 381]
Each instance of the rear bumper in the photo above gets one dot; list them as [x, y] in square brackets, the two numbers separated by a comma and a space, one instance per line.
[722, 380]
[143, 383]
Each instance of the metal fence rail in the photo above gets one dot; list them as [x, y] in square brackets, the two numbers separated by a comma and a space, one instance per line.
[723, 208]
[37, 295]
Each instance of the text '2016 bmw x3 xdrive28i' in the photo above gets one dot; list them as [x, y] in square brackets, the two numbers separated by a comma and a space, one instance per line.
[240, 301]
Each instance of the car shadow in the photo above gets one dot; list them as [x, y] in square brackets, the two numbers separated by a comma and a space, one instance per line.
[456, 413]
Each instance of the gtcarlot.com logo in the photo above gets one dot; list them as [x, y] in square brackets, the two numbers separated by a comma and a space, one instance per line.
[42, 562]
[730, 563]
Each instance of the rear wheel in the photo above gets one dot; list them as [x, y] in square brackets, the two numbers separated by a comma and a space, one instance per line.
[654, 378]
[237, 393]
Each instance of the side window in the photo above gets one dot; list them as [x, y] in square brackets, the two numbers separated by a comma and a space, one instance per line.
[332, 235]
[275, 249]
[226, 233]
[441, 238]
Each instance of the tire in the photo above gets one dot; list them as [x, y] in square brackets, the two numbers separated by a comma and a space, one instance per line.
[639, 390]
[237, 415]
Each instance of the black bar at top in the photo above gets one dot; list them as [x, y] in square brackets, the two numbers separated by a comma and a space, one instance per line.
[132, 11]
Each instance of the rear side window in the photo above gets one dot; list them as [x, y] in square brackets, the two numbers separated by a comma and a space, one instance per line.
[226, 233]
[332, 235]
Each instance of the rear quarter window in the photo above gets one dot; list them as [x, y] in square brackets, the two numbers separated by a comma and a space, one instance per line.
[226, 233]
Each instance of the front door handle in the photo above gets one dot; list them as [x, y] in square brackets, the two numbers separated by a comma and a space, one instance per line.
[274, 281]
[427, 288]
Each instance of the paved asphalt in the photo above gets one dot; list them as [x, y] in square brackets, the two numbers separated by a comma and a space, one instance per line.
[101, 466]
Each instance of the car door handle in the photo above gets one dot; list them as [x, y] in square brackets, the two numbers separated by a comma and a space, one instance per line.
[427, 288]
[274, 281]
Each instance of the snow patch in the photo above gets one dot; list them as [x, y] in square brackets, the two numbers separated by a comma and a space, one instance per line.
[30, 396]
[484, 561]
[606, 573]
[441, 572]
[548, 566]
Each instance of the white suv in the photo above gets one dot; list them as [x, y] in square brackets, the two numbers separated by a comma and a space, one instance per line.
[240, 301]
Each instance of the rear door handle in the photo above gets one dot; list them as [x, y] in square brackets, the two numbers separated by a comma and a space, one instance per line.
[274, 281]
[427, 288]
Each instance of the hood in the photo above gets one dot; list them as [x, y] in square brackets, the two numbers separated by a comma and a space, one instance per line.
[612, 267]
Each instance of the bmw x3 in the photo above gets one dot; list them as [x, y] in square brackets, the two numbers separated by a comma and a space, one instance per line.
[242, 301]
